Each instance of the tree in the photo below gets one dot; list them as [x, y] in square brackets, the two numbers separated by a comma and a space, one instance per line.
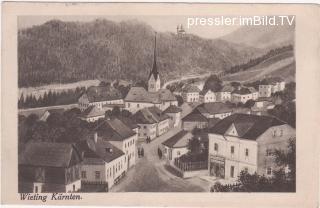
[213, 83]
[235, 84]
[249, 103]
[194, 145]
[179, 99]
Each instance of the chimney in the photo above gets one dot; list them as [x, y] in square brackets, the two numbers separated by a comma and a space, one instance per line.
[109, 150]
[95, 137]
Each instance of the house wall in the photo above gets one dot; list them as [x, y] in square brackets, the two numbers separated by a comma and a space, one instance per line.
[93, 119]
[162, 127]
[90, 172]
[115, 169]
[175, 119]
[209, 97]
[274, 138]
[147, 130]
[133, 107]
[238, 159]
[153, 85]
[237, 98]
[190, 125]
[190, 97]
[265, 90]
[176, 152]
[223, 96]
[217, 115]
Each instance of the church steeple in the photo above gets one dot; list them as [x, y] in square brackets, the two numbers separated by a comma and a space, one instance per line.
[154, 77]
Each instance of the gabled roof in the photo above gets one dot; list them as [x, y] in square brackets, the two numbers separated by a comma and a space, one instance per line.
[195, 116]
[102, 93]
[190, 89]
[128, 122]
[248, 126]
[204, 92]
[149, 115]
[99, 151]
[49, 155]
[92, 111]
[180, 139]
[172, 109]
[114, 130]
[214, 108]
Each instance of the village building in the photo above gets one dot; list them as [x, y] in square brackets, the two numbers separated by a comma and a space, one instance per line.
[100, 96]
[47, 113]
[152, 122]
[224, 94]
[207, 96]
[139, 98]
[261, 106]
[190, 94]
[254, 92]
[49, 168]
[176, 146]
[243, 142]
[271, 85]
[174, 113]
[92, 114]
[242, 95]
[215, 110]
[180, 30]
[103, 163]
[119, 135]
[195, 119]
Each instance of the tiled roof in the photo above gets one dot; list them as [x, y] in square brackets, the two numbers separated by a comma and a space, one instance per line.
[49, 155]
[195, 116]
[190, 89]
[214, 108]
[241, 91]
[149, 115]
[172, 109]
[248, 126]
[252, 89]
[114, 130]
[180, 139]
[101, 93]
[128, 122]
[92, 111]
[98, 152]
[139, 94]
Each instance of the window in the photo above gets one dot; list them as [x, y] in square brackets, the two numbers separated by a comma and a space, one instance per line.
[216, 147]
[247, 152]
[232, 149]
[97, 174]
[178, 153]
[144, 127]
[74, 187]
[138, 105]
[274, 133]
[281, 132]
[269, 171]
[128, 105]
[232, 171]
[36, 189]
[83, 174]
[246, 169]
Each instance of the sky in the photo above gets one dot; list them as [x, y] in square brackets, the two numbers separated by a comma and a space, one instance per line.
[159, 23]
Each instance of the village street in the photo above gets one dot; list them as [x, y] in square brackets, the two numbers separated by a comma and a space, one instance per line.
[150, 174]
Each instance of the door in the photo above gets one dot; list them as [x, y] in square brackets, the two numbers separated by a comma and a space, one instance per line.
[232, 171]
[170, 154]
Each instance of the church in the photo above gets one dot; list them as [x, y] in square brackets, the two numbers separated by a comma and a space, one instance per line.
[139, 97]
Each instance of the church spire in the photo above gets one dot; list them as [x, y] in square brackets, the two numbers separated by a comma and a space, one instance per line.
[154, 70]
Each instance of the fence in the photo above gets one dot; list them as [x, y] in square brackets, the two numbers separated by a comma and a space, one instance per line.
[190, 166]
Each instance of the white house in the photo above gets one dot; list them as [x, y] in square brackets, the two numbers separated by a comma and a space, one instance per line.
[121, 136]
[103, 163]
[176, 146]
[174, 113]
[242, 95]
[99, 96]
[244, 142]
[190, 94]
[92, 114]
[271, 85]
[207, 96]
[152, 122]
[215, 110]
[224, 94]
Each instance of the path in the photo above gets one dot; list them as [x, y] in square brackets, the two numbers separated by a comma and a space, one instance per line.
[150, 175]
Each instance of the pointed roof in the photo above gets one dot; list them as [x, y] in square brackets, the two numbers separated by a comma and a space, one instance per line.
[154, 72]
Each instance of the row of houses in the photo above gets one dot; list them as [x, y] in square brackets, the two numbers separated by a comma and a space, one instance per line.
[267, 87]
[240, 142]
[102, 159]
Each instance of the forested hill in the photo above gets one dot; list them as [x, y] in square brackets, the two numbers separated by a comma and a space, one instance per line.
[64, 52]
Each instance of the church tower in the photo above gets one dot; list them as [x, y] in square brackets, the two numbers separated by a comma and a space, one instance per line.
[154, 83]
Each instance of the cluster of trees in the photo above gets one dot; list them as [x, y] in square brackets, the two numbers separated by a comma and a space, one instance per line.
[116, 112]
[256, 61]
[281, 181]
[213, 83]
[64, 52]
[50, 98]
[59, 127]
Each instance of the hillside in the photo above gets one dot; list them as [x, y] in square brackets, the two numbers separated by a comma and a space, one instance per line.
[262, 36]
[280, 65]
[65, 52]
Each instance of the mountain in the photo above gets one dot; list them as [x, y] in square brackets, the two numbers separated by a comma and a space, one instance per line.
[262, 36]
[65, 52]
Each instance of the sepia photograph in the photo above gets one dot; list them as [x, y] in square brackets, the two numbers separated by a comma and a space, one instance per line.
[154, 104]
